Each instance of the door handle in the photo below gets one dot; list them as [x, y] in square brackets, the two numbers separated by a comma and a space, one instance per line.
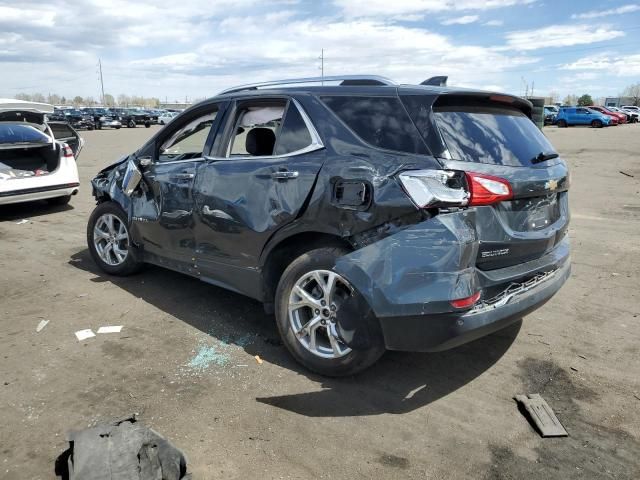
[284, 175]
[183, 176]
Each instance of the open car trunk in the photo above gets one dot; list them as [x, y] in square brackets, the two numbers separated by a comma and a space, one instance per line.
[21, 162]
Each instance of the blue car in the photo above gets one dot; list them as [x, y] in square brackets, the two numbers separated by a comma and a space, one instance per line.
[581, 116]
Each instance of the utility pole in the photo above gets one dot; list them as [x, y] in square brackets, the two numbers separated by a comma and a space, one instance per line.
[101, 80]
[321, 57]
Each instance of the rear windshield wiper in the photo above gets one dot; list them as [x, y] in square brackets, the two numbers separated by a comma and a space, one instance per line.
[543, 157]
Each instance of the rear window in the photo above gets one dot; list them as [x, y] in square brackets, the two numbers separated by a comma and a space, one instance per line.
[22, 134]
[490, 134]
[380, 121]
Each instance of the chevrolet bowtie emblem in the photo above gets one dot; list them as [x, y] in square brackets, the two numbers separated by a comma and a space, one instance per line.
[551, 184]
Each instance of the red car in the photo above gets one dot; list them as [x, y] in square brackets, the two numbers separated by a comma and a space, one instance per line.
[621, 118]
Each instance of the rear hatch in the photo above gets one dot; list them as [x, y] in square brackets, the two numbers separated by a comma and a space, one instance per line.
[492, 135]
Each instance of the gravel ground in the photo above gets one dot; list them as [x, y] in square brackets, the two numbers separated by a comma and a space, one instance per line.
[185, 357]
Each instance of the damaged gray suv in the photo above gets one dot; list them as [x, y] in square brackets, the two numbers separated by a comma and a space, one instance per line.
[366, 215]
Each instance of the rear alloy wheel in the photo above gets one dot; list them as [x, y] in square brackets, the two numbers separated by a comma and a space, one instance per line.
[596, 124]
[108, 240]
[308, 302]
[562, 124]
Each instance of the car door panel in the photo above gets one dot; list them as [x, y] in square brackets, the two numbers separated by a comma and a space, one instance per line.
[242, 203]
[163, 210]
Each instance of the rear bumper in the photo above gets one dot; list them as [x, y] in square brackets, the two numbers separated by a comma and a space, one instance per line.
[38, 193]
[432, 333]
[409, 279]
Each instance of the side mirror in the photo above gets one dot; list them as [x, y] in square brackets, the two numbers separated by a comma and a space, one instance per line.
[132, 177]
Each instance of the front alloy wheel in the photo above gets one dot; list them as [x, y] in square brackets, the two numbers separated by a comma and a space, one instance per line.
[111, 239]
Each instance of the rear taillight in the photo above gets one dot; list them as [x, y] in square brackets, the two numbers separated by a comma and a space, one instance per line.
[466, 302]
[449, 188]
[66, 151]
[487, 190]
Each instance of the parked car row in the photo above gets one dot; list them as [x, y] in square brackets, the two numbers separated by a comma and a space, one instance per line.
[594, 116]
[99, 117]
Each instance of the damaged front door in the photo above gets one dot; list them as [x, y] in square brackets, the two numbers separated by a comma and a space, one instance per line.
[258, 182]
[162, 214]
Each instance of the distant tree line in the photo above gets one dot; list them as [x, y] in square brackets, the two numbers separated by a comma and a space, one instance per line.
[631, 91]
[109, 100]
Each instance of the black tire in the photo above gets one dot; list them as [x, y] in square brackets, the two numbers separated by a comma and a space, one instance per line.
[147, 124]
[161, 122]
[118, 127]
[133, 261]
[59, 200]
[90, 127]
[131, 123]
[99, 126]
[562, 124]
[353, 362]
[596, 123]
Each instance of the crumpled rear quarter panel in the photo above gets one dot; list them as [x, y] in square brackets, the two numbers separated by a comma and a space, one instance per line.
[419, 269]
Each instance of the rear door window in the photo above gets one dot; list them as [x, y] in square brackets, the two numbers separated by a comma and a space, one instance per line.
[490, 134]
[22, 134]
[380, 121]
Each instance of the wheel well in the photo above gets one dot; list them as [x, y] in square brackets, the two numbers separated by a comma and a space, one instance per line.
[286, 251]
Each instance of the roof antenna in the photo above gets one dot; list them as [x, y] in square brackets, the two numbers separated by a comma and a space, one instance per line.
[440, 81]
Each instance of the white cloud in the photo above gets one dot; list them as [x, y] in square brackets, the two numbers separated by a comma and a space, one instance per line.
[374, 8]
[603, 13]
[560, 36]
[464, 20]
[627, 66]
[494, 23]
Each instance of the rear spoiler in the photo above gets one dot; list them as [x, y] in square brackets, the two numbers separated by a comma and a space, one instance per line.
[440, 81]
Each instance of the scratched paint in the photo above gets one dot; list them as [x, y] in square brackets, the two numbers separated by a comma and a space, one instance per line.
[206, 356]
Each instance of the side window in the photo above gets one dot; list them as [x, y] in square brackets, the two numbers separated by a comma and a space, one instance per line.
[581, 111]
[380, 121]
[188, 140]
[294, 134]
[61, 131]
[256, 128]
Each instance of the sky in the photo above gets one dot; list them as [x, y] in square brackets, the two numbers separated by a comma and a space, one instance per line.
[177, 50]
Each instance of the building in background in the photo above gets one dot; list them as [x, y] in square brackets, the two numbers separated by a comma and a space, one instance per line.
[618, 101]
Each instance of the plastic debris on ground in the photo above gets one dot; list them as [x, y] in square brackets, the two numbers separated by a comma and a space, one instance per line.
[258, 359]
[22, 222]
[541, 414]
[110, 329]
[84, 334]
[41, 325]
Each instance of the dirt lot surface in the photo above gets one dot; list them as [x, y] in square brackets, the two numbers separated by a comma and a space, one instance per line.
[185, 357]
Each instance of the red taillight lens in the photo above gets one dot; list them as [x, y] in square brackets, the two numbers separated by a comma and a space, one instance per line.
[466, 302]
[487, 190]
[67, 152]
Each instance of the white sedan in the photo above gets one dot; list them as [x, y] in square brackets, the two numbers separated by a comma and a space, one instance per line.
[37, 158]
[166, 117]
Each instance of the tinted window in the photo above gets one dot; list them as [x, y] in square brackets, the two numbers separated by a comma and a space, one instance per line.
[16, 133]
[490, 134]
[379, 121]
[61, 131]
[294, 134]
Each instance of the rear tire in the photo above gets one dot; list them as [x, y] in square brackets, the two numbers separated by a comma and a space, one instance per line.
[131, 124]
[147, 124]
[596, 124]
[338, 360]
[562, 124]
[109, 242]
[59, 200]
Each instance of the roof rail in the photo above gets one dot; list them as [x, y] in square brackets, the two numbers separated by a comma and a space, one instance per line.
[345, 79]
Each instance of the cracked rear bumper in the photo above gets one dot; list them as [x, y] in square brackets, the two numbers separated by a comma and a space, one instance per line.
[409, 279]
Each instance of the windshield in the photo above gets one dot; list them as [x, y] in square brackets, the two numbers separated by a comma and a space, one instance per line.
[490, 134]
